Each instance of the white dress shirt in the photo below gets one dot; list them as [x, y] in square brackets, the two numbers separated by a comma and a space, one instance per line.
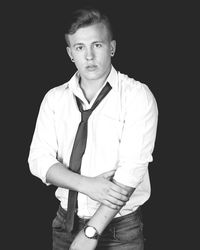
[121, 136]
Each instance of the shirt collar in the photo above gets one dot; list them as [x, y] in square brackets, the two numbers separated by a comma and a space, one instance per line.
[112, 78]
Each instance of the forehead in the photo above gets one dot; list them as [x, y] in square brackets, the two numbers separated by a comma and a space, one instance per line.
[91, 33]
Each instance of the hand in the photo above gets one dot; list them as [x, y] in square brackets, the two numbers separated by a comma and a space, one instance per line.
[103, 190]
[81, 241]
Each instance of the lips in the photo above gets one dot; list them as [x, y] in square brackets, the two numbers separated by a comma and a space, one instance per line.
[91, 67]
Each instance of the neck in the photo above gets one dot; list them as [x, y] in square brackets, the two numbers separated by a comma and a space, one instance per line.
[91, 87]
[90, 90]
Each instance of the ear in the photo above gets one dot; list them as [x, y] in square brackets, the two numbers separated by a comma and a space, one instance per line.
[69, 52]
[113, 47]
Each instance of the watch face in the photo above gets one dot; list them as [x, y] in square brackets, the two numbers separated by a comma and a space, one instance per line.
[90, 231]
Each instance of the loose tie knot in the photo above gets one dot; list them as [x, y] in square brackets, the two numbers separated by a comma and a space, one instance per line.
[85, 114]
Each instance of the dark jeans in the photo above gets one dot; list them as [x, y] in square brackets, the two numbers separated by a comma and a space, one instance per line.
[123, 233]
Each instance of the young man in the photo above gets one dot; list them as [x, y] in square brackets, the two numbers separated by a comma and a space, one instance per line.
[101, 188]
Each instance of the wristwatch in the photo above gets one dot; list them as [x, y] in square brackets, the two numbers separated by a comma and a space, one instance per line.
[91, 232]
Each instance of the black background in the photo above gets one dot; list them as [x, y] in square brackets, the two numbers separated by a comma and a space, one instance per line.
[155, 41]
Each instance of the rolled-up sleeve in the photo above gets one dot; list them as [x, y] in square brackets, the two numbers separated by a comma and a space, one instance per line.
[43, 148]
[138, 136]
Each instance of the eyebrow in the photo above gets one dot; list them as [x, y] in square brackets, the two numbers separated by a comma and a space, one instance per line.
[78, 44]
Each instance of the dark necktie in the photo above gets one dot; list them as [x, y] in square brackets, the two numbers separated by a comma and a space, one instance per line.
[78, 151]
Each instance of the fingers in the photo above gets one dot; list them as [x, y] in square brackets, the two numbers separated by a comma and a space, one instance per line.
[107, 192]
[117, 198]
[119, 190]
[111, 205]
[115, 202]
[108, 175]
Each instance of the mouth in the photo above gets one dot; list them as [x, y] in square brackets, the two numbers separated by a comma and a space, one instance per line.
[91, 67]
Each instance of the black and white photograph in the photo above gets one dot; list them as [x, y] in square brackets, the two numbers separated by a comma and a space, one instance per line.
[97, 153]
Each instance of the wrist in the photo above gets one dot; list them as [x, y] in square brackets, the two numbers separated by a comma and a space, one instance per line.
[91, 232]
[102, 217]
[84, 185]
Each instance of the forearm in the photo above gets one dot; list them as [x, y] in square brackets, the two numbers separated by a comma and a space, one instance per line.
[98, 188]
[104, 214]
[61, 176]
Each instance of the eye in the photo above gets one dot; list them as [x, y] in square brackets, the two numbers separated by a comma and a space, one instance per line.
[79, 48]
[98, 45]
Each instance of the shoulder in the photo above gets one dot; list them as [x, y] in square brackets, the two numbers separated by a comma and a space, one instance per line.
[55, 95]
[131, 86]
[57, 91]
[135, 92]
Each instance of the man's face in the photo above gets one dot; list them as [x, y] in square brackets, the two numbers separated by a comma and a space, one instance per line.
[91, 48]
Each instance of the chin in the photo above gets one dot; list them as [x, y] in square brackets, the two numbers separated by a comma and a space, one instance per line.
[92, 76]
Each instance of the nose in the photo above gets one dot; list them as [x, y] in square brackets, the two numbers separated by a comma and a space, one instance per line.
[89, 54]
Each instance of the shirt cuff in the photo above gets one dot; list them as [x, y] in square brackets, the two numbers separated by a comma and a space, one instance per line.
[39, 167]
[130, 176]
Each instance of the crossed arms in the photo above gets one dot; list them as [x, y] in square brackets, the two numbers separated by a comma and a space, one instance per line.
[110, 194]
